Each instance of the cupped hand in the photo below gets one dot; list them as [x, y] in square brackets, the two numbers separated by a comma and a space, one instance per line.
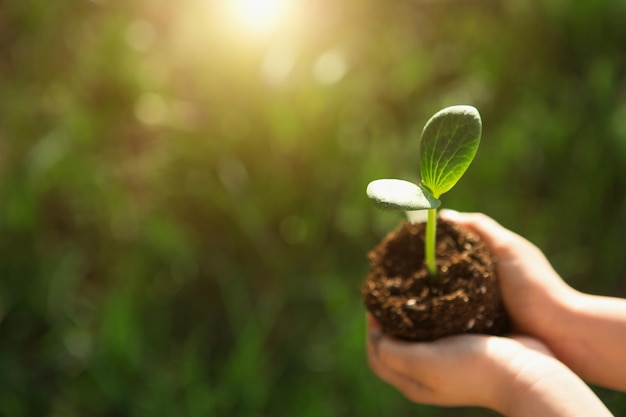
[533, 293]
[465, 370]
[517, 376]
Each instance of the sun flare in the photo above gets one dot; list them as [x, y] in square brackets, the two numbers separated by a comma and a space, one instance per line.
[257, 16]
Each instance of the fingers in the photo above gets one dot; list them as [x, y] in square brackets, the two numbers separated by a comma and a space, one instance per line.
[401, 357]
[447, 372]
[411, 388]
[506, 245]
[495, 235]
[511, 250]
[470, 370]
[406, 358]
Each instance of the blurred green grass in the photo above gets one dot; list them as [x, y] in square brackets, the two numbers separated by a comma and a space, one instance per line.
[183, 225]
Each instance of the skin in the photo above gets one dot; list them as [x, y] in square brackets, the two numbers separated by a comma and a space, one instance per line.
[561, 337]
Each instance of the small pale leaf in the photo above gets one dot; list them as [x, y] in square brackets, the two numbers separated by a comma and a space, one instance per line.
[391, 194]
[449, 143]
[416, 216]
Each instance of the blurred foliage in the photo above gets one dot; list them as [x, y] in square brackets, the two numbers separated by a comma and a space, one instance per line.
[183, 225]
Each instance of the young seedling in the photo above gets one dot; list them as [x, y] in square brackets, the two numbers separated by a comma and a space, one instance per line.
[448, 145]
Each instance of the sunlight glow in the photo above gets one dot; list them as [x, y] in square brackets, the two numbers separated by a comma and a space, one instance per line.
[257, 16]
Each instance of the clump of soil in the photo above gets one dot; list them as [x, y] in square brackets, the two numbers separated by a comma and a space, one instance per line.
[465, 298]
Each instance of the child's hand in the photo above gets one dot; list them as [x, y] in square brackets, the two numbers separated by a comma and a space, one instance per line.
[533, 293]
[585, 332]
[514, 376]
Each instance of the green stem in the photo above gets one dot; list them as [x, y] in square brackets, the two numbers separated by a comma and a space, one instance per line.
[431, 235]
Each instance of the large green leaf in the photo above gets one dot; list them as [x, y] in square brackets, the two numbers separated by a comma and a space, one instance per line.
[448, 146]
[393, 194]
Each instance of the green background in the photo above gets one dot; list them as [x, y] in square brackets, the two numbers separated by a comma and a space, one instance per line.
[183, 220]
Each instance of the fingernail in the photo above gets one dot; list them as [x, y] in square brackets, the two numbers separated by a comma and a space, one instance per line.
[449, 214]
[372, 323]
[374, 336]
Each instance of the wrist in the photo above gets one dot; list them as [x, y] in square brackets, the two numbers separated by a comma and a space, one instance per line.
[542, 385]
[590, 339]
[526, 373]
[517, 379]
[514, 366]
[561, 306]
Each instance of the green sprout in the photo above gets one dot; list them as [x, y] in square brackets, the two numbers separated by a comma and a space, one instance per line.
[449, 143]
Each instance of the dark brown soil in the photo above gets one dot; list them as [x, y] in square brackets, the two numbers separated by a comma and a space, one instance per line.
[464, 299]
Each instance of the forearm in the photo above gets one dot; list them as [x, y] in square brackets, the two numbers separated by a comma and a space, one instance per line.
[591, 339]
